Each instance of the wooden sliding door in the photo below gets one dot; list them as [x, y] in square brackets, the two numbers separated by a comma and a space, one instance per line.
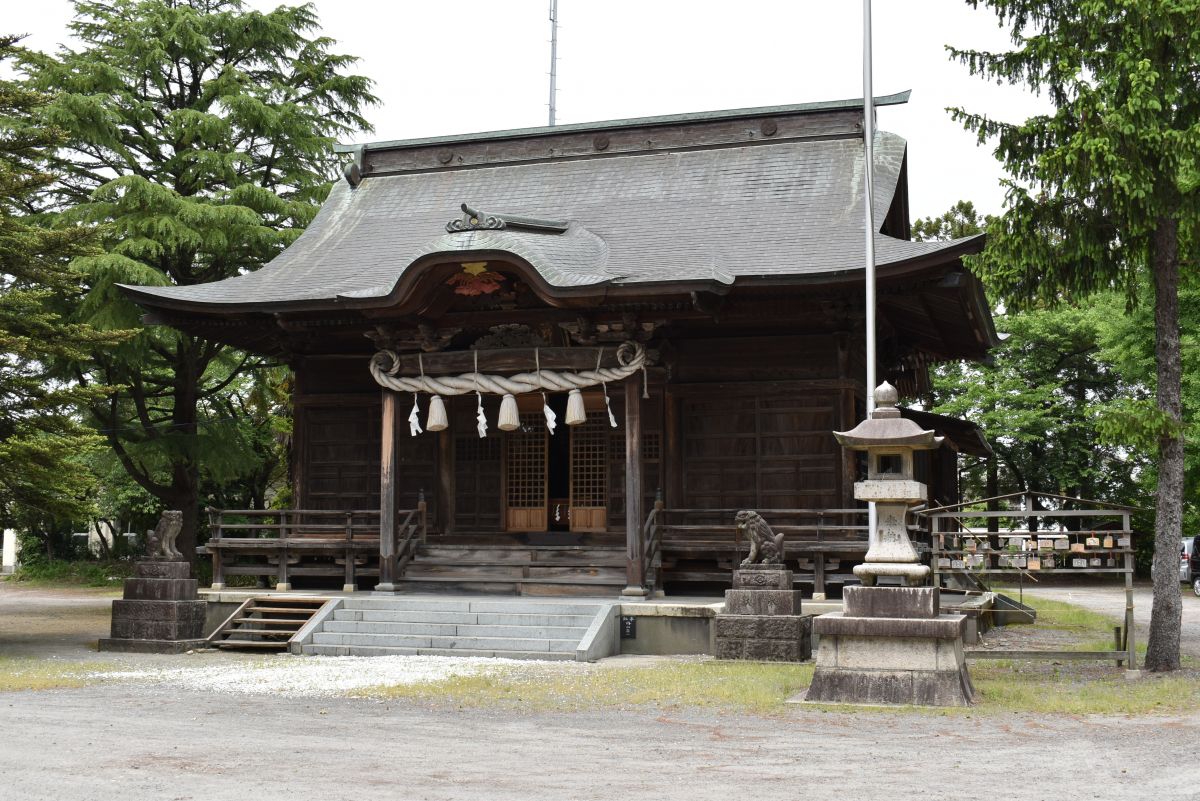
[589, 475]
[525, 456]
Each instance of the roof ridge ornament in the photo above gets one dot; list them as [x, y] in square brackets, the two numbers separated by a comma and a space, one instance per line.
[476, 220]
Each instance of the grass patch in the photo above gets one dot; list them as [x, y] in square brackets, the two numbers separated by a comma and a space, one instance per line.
[737, 686]
[19, 675]
[761, 688]
[1081, 690]
[79, 574]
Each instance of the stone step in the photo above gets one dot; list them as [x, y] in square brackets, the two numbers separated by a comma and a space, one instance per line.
[530, 644]
[453, 629]
[366, 650]
[401, 603]
[463, 618]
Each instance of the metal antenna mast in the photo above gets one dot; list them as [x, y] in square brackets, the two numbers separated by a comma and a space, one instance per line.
[553, 57]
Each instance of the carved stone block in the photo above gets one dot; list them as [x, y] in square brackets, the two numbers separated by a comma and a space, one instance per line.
[780, 638]
[161, 589]
[162, 569]
[762, 602]
[762, 577]
[916, 602]
[159, 610]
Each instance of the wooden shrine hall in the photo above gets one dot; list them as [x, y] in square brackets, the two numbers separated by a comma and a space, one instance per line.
[559, 360]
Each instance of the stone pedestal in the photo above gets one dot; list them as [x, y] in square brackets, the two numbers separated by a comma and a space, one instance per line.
[891, 645]
[160, 612]
[762, 618]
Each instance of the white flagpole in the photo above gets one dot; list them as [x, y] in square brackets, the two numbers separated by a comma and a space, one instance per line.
[553, 59]
[869, 227]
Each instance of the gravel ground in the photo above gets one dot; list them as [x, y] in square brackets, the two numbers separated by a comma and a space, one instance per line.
[154, 743]
[309, 677]
[219, 726]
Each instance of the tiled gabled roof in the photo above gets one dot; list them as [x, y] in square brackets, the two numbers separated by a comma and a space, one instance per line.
[707, 210]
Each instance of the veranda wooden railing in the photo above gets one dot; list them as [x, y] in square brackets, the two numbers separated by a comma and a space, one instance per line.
[652, 537]
[296, 542]
[412, 531]
[809, 533]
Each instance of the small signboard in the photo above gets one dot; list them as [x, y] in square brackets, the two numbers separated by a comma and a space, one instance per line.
[628, 627]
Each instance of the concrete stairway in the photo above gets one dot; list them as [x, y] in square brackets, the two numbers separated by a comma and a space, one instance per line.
[453, 626]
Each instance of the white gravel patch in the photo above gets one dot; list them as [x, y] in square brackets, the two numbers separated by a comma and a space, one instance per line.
[315, 676]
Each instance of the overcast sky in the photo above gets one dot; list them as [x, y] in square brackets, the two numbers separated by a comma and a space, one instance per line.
[478, 65]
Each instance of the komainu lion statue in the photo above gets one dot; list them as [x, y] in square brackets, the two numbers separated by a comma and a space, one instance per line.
[766, 547]
[162, 538]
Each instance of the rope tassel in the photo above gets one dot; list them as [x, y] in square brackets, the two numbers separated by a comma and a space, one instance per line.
[510, 416]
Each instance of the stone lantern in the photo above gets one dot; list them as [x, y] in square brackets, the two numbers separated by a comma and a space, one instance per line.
[890, 645]
[890, 442]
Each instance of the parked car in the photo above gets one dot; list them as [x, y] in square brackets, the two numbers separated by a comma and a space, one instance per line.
[1191, 563]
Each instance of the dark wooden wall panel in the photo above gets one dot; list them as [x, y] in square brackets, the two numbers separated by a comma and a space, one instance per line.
[339, 461]
[765, 450]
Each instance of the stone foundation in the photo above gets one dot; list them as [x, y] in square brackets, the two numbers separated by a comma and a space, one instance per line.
[160, 612]
[762, 619]
[891, 645]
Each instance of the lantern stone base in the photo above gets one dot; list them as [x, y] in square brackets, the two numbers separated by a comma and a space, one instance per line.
[762, 618]
[891, 645]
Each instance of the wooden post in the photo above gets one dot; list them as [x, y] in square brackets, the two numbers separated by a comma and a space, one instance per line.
[282, 584]
[635, 546]
[389, 491]
[350, 581]
[1131, 655]
[214, 532]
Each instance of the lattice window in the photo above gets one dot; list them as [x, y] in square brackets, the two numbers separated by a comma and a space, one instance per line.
[527, 463]
[477, 449]
[651, 446]
[589, 471]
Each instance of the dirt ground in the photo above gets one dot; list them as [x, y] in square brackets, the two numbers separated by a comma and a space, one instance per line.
[1109, 598]
[149, 743]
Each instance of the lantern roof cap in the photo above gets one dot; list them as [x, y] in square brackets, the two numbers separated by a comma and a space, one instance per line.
[886, 428]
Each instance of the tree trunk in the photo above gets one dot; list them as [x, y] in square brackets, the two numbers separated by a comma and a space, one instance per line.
[1162, 650]
[185, 472]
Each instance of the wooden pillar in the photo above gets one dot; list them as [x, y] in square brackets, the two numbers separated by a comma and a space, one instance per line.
[389, 491]
[635, 547]
[445, 498]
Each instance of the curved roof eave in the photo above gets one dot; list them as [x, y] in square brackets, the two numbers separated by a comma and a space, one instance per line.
[929, 255]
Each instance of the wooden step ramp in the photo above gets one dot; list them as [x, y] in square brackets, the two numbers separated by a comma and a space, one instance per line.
[538, 570]
[265, 622]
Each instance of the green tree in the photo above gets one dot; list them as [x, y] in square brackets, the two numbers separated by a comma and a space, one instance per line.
[1038, 399]
[44, 479]
[1103, 190]
[960, 221]
[200, 137]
